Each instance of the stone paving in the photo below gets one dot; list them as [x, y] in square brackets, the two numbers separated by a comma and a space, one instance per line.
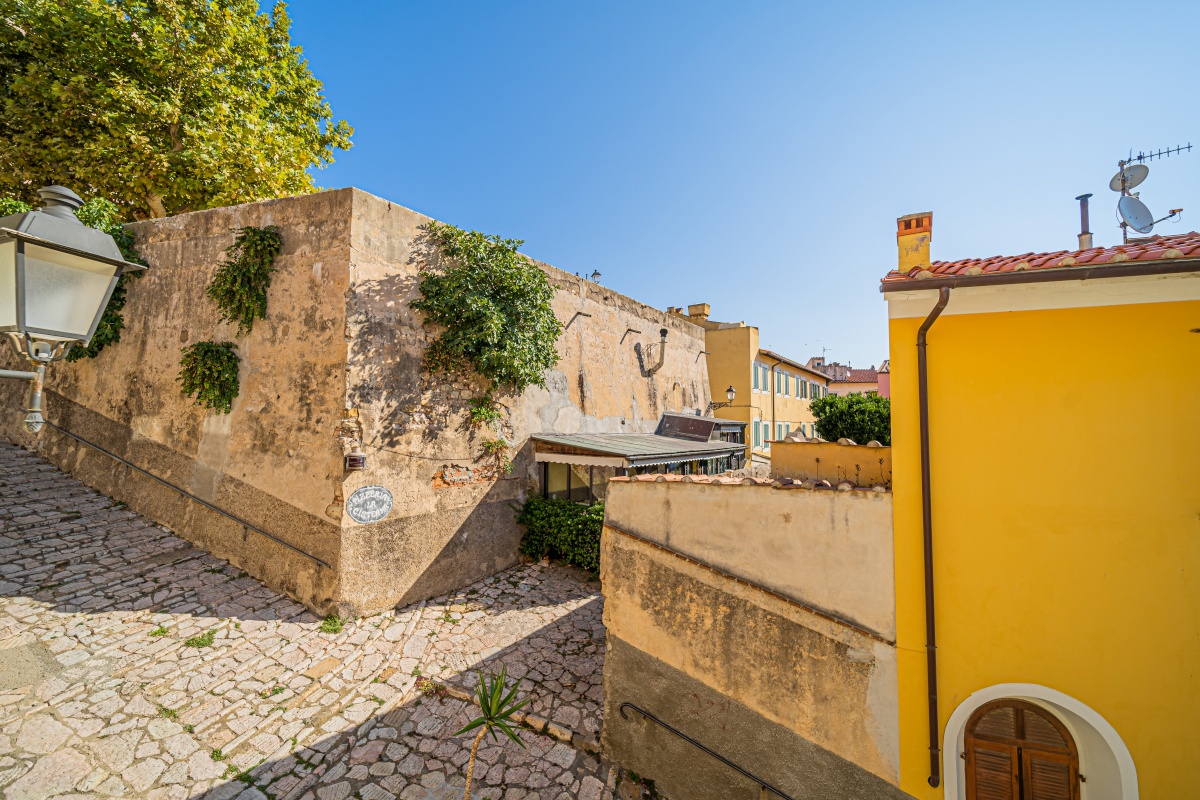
[132, 665]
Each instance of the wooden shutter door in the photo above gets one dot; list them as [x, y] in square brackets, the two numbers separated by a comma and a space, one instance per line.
[1048, 776]
[992, 771]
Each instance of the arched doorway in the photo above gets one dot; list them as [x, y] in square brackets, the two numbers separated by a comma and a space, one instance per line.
[1016, 750]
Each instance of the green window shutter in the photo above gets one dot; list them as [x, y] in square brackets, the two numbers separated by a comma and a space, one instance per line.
[756, 439]
[755, 372]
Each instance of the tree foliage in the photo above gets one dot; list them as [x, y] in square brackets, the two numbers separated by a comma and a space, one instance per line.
[860, 417]
[102, 215]
[494, 307]
[159, 105]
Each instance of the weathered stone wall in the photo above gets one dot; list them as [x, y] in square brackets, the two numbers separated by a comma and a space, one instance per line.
[802, 699]
[338, 334]
[272, 461]
[828, 550]
[859, 464]
[805, 704]
[453, 522]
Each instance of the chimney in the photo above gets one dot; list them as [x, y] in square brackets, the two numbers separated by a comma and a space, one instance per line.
[699, 310]
[913, 233]
[1085, 235]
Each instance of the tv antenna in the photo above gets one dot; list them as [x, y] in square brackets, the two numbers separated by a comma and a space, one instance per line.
[1131, 172]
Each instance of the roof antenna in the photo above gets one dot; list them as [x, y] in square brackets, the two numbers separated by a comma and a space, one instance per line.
[1132, 211]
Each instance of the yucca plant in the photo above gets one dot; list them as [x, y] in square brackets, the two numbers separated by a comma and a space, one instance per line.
[496, 709]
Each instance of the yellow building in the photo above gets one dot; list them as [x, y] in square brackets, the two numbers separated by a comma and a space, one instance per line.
[1059, 520]
[772, 392]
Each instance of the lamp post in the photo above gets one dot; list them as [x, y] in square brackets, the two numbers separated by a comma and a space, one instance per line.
[729, 395]
[56, 276]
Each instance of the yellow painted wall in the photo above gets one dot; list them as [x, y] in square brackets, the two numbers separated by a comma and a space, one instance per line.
[1065, 452]
[787, 408]
[730, 351]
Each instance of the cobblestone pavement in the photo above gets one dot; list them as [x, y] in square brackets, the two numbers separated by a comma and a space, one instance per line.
[132, 665]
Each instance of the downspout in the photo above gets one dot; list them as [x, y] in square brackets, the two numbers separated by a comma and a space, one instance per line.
[774, 384]
[935, 754]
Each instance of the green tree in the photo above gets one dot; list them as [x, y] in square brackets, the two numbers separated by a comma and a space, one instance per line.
[496, 708]
[860, 417]
[161, 106]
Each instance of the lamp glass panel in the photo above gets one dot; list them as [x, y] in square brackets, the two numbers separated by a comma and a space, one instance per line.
[63, 292]
[8, 284]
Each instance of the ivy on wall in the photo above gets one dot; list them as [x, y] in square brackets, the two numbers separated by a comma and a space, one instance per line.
[239, 286]
[209, 372]
[494, 307]
[104, 216]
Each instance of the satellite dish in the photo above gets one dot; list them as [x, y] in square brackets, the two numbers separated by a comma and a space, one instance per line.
[1135, 214]
[1134, 174]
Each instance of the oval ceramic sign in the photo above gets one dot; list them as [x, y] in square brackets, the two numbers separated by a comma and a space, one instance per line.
[369, 504]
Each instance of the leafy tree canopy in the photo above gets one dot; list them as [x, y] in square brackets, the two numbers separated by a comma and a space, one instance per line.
[161, 106]
[860, 417]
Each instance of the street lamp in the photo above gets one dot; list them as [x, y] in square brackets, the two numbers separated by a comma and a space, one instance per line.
[729, 394]
[56, 276]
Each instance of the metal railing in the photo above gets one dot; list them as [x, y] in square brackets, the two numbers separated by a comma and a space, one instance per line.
[763, 786]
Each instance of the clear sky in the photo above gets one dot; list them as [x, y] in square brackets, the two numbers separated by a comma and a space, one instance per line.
[755, 155]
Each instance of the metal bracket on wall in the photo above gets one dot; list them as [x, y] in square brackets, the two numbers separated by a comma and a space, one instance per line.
[763, 786]
[572, 319]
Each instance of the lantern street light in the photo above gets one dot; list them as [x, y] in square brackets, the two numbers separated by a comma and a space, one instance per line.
[56, 276]
[729, 394]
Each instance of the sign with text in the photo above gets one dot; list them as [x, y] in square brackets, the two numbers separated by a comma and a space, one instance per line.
[369, 504]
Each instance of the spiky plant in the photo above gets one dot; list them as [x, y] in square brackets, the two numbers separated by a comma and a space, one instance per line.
[496, 709]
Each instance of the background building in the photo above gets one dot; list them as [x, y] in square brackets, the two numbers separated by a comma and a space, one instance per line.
[772, 391]
[1065, 547]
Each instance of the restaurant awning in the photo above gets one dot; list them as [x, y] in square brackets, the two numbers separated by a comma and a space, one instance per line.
[627, 449]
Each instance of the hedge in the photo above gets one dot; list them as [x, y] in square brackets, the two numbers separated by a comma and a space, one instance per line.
[562, 529]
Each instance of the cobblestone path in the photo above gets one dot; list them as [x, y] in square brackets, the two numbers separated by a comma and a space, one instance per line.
[132, 665]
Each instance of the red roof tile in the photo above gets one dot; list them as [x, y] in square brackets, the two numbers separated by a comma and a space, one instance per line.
[860, 376]
[1156, 248]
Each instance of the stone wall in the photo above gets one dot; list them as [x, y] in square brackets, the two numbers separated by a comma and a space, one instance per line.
[338, 335]
[804, 699]
[859, 464]
[830, 551]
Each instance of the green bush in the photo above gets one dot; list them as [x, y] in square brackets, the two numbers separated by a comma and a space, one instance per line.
[860, 417]
[562, 529]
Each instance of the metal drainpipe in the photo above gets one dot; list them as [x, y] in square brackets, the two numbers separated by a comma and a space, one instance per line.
[935, 753]
[774, 379]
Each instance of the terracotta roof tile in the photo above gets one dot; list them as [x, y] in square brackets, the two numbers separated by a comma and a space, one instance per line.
[1156, 248]
[860, 376]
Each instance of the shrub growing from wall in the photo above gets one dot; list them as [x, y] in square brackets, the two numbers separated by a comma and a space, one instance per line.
[562, 529]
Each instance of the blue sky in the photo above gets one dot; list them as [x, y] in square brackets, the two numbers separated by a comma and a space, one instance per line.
[755, 155]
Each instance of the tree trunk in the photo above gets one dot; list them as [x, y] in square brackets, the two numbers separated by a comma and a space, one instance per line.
[157, 209]
[471, 763]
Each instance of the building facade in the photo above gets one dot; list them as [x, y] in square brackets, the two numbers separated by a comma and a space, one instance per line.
[1046, 562]
[845, 379]
[772, 392]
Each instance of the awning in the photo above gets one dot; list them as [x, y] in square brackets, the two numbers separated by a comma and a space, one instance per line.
[627, 449]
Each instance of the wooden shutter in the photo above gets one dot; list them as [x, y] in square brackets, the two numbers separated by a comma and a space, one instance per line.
[992, 771]
[1048, 776]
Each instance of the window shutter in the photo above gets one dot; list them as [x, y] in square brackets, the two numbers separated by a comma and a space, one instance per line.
[1047, 775]
[991, 771]
[757, 439]
[754, 372]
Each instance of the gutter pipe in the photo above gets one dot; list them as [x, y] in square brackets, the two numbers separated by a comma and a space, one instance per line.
[935, 755]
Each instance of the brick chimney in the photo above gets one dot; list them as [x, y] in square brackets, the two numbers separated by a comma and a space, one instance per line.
[699, 311]
[913, 233]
